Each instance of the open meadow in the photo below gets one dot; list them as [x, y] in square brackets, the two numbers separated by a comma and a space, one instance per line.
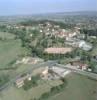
[78, 88]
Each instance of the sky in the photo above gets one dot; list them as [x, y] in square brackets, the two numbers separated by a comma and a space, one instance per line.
[19, 7]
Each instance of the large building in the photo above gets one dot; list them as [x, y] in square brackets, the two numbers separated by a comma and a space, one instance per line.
[56, 50]
[79, 43]
[54, 72]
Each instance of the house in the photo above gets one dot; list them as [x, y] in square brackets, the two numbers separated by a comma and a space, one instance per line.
[56, 50]
[66, 34]
[72, 42]
[80, 36]
[45, 71]
[20, 80]
[47, 74]
[79, 65]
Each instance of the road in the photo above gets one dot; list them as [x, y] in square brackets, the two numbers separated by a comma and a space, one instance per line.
[35, 66]
[85, 73]
[49, 63]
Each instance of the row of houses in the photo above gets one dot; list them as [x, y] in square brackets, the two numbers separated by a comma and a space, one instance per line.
[55, 30]
[80, 65]
[29, 60]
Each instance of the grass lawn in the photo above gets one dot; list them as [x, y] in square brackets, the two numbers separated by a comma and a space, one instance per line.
[79, 88]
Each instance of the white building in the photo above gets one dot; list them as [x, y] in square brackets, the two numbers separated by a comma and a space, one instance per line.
[79, 43]
[85, 46]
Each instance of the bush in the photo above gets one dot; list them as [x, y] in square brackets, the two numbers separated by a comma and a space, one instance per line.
[3, 79]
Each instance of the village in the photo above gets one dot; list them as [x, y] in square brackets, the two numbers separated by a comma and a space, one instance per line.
[48, 49]
[72, 39]
[53, 55]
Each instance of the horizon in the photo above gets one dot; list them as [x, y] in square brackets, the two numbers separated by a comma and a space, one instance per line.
[34, 7]
[51, 13]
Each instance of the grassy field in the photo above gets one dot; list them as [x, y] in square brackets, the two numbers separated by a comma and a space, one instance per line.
[6, 35]
[78, 88]
[9, 50]
[14, 93]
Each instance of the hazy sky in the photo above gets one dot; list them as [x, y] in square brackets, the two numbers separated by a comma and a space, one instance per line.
[19, 7]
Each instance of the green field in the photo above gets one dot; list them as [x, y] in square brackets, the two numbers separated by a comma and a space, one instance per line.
[14, 93]
[6, 35]
[9, 50]
[78, 88]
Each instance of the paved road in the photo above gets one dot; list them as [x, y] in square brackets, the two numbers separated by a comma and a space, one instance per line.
[85, 73]
[43, 64]
[49, 63]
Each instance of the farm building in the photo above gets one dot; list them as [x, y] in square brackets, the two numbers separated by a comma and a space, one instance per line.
[20, 81]
[54, 72]
[56, 50]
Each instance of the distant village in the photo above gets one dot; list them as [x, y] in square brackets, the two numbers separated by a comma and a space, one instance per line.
[72, 37]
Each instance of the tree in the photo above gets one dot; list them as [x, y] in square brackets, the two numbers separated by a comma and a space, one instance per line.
[92, 65]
